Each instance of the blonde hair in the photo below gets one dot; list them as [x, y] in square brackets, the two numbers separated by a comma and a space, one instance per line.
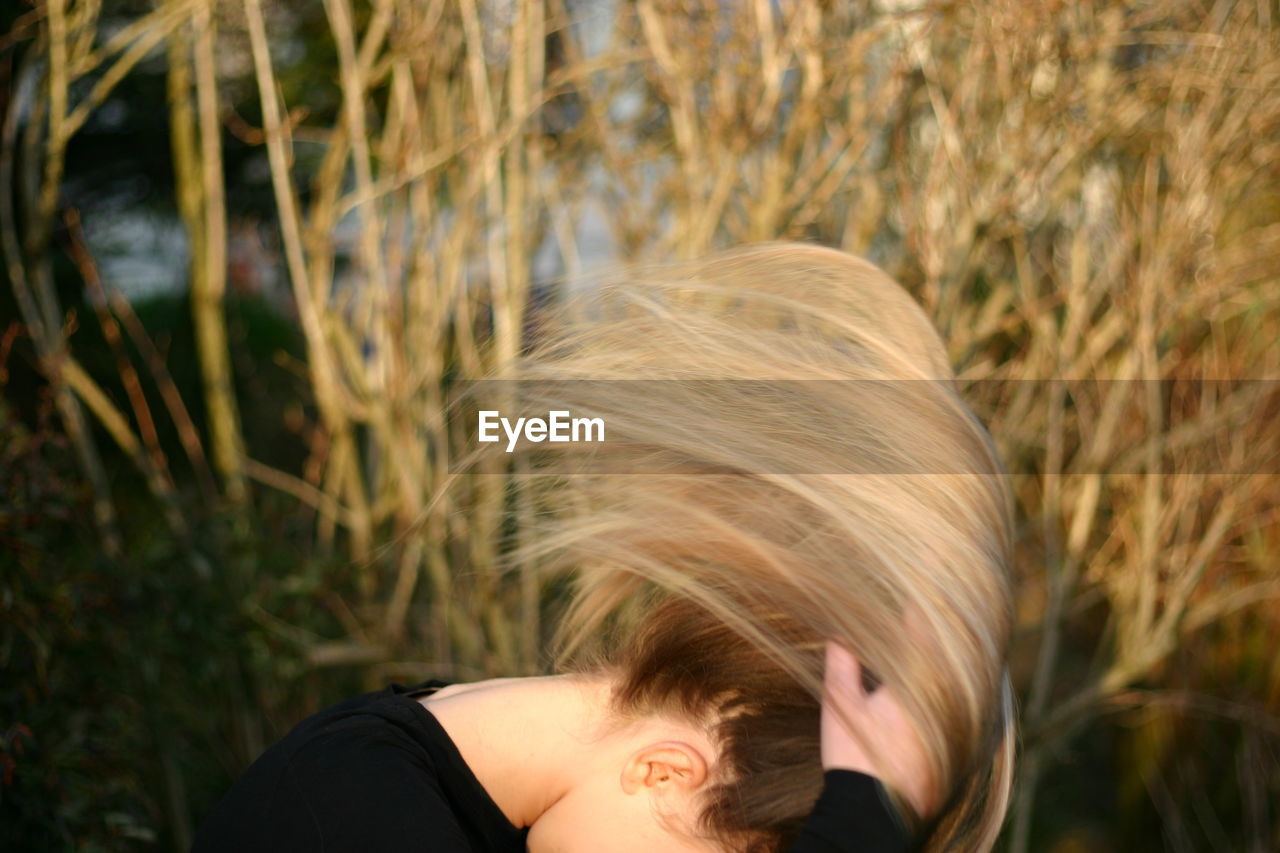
[760, 519]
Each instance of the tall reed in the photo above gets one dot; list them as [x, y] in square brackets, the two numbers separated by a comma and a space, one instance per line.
[1076, 191]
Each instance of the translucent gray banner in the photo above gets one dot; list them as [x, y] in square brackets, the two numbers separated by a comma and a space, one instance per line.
[726, 426]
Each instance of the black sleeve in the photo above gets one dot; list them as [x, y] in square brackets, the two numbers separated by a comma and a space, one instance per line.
[853, 815]
[358, 789]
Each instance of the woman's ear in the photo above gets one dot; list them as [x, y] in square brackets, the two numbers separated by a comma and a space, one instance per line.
[669, 765]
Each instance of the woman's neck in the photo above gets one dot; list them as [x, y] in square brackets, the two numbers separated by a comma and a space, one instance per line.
[528, 740]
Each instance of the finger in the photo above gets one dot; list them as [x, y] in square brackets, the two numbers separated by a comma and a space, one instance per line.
[842, 667]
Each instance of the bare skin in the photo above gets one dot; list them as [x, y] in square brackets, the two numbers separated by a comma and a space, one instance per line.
[881, 720]
[542, 750]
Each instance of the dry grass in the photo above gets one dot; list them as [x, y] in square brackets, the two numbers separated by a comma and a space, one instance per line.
[1076, 191]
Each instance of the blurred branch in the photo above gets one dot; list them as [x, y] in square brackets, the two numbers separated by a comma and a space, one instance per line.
[300, 489]
[150, 32]
[49, 343]
[324, 381]
[187, 432]
[158, 469]
[209, 270]
[23, 28]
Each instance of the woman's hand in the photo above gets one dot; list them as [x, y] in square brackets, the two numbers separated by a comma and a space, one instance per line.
[880, 720]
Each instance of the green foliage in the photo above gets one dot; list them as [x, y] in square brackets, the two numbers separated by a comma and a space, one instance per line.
[134, 690]
[62, 750]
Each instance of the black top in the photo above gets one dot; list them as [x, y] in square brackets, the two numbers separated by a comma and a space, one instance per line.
[378, 773]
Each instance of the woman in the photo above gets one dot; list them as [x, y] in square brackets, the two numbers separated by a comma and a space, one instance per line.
[801, 481]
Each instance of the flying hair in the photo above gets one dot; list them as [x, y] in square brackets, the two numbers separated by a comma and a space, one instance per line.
[731, 527]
